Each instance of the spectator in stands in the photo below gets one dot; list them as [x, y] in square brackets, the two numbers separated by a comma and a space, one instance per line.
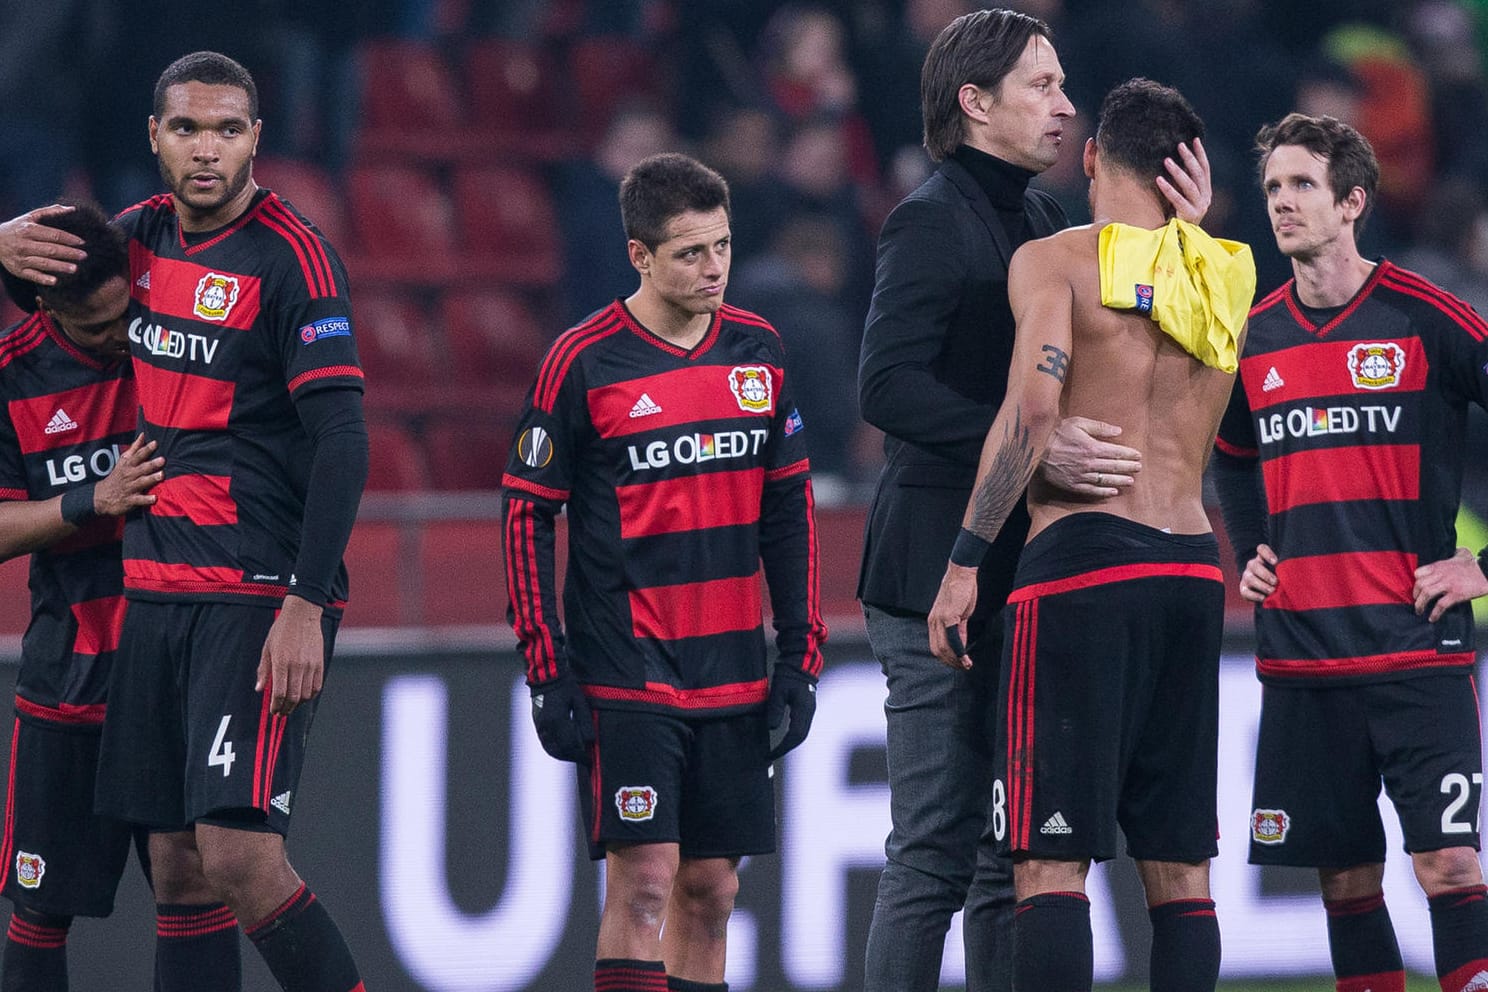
[586, 195]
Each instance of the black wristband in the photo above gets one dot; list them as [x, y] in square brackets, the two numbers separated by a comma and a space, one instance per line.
[77, 505]
[969, 550]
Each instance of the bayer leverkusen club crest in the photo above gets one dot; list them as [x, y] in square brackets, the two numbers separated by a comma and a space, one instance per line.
[1376, 366]
[29, 869]
[215, 296]
[636, 803]
[752, 387]
[1269, 826]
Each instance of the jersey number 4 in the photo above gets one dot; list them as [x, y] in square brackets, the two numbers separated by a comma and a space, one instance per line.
[222, 749]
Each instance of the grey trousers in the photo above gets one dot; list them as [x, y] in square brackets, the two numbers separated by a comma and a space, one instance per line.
[940, 853]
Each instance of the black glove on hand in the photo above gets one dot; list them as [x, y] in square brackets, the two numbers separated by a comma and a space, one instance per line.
[789, 711]
[560, 712]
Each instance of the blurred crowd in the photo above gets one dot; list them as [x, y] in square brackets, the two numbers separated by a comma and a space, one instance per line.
[502, 127]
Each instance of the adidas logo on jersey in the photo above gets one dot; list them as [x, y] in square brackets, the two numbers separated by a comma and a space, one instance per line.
[281, 802]
[143, 282]
[644, 407]
[1056, 825]
[1272, 381]
[60, 422]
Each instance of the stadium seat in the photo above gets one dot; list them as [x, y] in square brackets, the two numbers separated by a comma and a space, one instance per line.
[410, 103]
[517, 99]
[310, 190]
[466, 453]
[400, 350]
[402, 224]
[606, 71]
[493, 338]
[396, 462]
[508, 228]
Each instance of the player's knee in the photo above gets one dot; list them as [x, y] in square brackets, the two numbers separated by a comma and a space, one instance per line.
[640, 894]
[176, 870]
[707, 893]
[1447, 869]
[236, 863]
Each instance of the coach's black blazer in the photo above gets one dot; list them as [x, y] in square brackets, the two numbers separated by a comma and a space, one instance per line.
[933, 371]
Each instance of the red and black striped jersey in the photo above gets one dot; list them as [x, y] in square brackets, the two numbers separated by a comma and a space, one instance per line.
[226, 329]
[1359, 426]
[66, 417]
[681, 471]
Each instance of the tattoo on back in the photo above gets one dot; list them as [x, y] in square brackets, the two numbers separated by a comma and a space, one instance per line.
[1058, 362]
[1012, 467]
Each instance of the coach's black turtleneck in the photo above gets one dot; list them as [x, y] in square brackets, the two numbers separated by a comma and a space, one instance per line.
[1004, 184]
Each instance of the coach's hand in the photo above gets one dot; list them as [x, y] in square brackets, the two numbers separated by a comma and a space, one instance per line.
[560, 712]
[292, 665]
[789, 711]
[1081, 459]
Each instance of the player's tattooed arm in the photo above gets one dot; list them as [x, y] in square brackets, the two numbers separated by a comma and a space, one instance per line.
[1010, 468]
[1055, 363]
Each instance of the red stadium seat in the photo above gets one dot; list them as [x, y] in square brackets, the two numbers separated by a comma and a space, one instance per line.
[310, 190]
[606, 71]
[517, 99]
[410, 103]
[401, 353]
[396, 462]
[465, 454]
[402, 224]
[508, 228]
[493, 338]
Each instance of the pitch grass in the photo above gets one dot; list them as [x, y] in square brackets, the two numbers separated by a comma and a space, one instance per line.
[1416, 983]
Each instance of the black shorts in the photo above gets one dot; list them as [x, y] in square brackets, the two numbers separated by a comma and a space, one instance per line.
[1322, 754]
[187, 737]
[703, 783]
[58, 856]
[1109, 707]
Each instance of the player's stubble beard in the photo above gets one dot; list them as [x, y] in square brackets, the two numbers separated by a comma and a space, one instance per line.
[180, 187]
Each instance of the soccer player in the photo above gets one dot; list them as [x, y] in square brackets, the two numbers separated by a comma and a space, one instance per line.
[666, 426]
[68, 472]
[241, 333]
[1134, 320]
[1350, 416]
[935, 354]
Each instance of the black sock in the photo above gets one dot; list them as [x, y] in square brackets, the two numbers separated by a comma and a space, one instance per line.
[1052, 947]
[1459, 935]
[35, 957]
[675, 984]
[196, 949]
[303, 948]
[1185, 946]
[1361, 940]
[627, 975]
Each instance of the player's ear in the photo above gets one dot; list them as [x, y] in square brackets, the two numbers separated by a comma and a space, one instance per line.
[640, 256]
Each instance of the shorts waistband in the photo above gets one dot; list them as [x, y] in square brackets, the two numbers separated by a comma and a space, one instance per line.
[1102, 547]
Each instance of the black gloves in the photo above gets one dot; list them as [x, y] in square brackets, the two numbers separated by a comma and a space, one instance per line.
[561, 715]
[791, 706]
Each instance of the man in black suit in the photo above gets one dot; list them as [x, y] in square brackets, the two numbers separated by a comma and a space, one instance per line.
[933, 372]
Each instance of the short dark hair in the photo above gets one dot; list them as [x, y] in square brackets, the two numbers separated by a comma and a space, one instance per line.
[107, 248]
[980, 48]
[661, 187]
[1143, 122]
[212, 68]
[1350, 157]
